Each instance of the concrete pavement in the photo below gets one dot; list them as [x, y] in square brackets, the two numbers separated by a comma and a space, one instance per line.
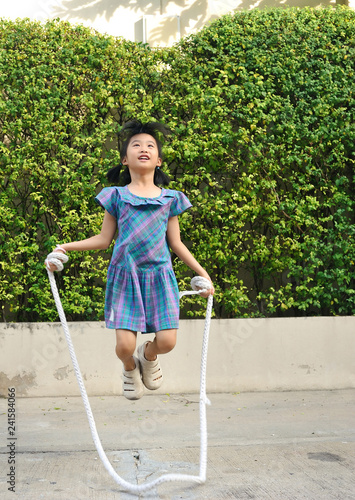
[261, 445]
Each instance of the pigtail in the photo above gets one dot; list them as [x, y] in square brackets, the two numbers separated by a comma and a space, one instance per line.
[114, 173]
[161, 178]
[116, 176]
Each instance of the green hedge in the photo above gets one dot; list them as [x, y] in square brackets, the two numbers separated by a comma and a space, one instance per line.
[262, 104]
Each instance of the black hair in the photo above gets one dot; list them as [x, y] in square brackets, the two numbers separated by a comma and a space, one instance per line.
[129, 130]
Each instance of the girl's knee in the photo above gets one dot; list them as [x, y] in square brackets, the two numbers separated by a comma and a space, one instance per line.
[123, 351]
[125, 343]
[166, 340]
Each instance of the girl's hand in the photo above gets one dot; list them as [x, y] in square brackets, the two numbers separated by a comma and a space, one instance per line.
[54, 261]
[210, 291]
[51, 267]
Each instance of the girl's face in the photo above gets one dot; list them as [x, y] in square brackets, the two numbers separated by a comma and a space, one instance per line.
[142, 153]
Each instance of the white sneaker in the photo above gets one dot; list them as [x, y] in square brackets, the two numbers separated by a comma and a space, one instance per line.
[152, 374]
[132, 382]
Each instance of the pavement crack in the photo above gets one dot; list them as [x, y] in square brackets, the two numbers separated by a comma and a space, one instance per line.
[137, 462]
[136, 457]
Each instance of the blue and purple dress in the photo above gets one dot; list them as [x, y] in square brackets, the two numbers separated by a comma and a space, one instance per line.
[142, 294]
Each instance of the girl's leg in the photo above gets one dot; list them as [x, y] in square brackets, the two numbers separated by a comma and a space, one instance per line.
[132, 381]
[164, 342]
[125, 346]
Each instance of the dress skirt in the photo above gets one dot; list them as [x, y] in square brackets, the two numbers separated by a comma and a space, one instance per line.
[142, 301]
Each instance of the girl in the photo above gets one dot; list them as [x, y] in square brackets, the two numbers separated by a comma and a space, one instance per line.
[142, 293]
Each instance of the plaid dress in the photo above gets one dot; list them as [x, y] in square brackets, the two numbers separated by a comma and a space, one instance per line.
[142, 293]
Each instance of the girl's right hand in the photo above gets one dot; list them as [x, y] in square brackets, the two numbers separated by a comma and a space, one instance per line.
[55, 260]
[51, 267]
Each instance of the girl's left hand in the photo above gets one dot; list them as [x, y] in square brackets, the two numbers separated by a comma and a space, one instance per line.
[210, 291]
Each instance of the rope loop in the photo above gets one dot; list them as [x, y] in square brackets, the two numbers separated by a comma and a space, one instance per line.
[56, 258]
[200, 284]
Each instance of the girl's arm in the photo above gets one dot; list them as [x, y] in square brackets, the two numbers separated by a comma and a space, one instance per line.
[98, 242]
[178, 247]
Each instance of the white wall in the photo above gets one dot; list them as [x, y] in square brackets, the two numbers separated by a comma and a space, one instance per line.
[244, 355]
[124, 17]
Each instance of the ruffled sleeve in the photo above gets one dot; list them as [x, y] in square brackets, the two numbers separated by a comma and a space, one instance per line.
[108, 199]
[179, 204]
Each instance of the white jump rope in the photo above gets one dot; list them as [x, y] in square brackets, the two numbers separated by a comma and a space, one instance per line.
[58, 258]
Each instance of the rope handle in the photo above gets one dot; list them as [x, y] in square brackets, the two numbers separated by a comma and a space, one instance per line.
[56, 258]
[199, 284]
